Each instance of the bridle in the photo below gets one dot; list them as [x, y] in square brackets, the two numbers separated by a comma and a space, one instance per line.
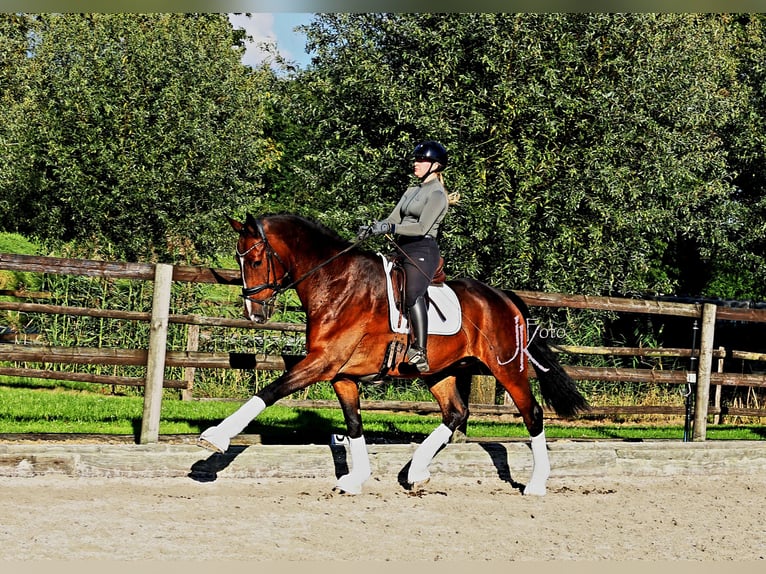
[278, 286]
[275, 285]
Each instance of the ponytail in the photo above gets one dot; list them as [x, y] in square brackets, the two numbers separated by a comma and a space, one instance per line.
[452, 198]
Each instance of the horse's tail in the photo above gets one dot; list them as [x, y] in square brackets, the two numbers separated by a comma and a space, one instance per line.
[557, 388]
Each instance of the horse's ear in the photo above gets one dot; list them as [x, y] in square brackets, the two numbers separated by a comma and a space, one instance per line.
[251, 226]
[236, 225]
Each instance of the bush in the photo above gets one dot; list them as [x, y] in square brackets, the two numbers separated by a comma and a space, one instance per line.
[12, 280]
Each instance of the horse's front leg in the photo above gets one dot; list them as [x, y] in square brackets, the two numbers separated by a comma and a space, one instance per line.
[348, 395]
[217, 438]
[308, 371]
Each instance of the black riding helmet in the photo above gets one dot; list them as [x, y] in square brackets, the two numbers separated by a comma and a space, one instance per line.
[431, 151]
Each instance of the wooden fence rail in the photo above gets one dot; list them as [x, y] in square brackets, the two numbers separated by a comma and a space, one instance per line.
[156, 357]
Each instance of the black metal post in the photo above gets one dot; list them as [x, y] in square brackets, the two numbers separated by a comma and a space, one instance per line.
[691, 381]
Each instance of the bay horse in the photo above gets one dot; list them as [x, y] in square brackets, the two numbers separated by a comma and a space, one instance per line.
[348, 335]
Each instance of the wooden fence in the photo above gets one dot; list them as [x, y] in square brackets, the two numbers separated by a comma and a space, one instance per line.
[156, 357]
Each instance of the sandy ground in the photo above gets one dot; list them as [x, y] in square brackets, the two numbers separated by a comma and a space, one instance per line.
[455, 519]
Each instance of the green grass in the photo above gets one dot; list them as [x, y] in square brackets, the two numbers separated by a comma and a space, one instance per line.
[55, 410]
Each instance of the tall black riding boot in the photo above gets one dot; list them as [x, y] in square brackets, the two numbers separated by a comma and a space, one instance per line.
[416, 354]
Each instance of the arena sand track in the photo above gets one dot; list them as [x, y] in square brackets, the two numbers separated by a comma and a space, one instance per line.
[641, 518]
[612, 513]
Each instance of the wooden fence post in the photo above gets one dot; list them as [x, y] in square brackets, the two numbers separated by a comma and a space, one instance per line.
[704, 370]
[192, 345]
[483, 389]
[476, 389]
[718, 419]
[155, 364]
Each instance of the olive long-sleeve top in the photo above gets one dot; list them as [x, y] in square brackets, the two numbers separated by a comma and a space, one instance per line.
[420, 210]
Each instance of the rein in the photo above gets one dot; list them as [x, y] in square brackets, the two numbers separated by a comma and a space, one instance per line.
[318, 267]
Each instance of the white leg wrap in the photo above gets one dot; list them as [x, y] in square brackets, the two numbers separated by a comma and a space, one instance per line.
[541, 466]
[220, 435]
[352, 482]
[425, 453]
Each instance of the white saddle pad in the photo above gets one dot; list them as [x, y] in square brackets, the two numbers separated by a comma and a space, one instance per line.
[444, 313]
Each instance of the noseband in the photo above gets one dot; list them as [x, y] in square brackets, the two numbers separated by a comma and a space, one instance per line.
[273, 284]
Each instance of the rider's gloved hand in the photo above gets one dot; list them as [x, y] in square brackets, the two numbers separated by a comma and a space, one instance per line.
[376, 228]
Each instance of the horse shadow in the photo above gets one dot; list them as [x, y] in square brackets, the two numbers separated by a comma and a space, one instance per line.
[207, 470]
[498, 454]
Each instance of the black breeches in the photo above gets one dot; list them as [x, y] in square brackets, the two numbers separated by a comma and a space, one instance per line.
[420, 262]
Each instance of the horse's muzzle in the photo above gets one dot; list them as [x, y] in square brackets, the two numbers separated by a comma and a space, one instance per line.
[259, 316]
[258, 311]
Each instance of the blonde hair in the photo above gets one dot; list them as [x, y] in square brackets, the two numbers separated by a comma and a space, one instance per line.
[453, 198]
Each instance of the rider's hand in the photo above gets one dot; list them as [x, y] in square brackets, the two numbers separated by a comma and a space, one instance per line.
[363, 233]
[376, 228]
[381, 228]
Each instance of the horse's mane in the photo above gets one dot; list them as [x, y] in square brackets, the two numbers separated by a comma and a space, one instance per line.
[319, 232]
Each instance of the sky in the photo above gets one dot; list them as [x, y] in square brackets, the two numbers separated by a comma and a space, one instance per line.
[274, 27]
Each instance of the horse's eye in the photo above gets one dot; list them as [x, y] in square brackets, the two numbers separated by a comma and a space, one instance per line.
[256, 263]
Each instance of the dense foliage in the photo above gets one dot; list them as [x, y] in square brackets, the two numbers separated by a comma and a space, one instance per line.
[588, 148]
[138, 130]
[593, 153]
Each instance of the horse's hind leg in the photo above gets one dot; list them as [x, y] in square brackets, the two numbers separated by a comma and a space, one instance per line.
[541, 466]
[454, 413]
[517, 385]
[348, 395]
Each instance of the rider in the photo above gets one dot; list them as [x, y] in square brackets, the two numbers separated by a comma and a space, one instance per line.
[415, 220]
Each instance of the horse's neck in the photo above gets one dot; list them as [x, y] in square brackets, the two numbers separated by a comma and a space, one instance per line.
[326, 283]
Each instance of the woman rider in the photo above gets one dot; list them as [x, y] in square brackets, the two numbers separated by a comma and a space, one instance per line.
[415, 221]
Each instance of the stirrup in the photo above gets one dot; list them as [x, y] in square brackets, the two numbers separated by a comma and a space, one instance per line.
[417, 356]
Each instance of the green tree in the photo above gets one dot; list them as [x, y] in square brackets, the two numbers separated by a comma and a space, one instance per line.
[586, 147]
[14, 42]
[738, 265]
[145, 131]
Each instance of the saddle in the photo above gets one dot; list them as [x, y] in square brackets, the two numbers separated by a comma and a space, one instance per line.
[399, 278]
[400, 338]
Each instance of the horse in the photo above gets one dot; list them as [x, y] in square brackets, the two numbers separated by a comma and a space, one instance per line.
[342, 288]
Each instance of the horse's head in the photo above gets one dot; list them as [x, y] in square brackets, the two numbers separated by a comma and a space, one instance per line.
[263, 271]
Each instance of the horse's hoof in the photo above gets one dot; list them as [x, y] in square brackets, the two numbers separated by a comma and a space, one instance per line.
[418, 476]
[344, 492]
[347, 486]
[419, 485]
[213, 439]
[532, 490]
[207, 445]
